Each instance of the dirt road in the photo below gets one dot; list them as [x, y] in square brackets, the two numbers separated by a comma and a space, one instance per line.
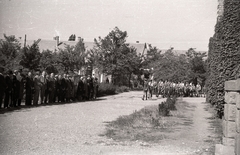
[76, 128]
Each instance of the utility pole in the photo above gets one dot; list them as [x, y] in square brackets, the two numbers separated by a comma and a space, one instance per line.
[25, 40]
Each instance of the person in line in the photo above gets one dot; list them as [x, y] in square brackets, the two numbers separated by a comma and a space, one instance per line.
[15, 89]
[145, 89]
[37, 89]
[43, 83]
[29, 87]
[51, 88]
[80, 90]
[3, 85]
[46, 94]
[8, 90]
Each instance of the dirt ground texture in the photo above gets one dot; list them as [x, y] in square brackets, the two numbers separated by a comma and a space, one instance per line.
[75, 128]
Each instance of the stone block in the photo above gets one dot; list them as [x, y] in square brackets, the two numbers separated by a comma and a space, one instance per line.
[230, 112]
[237, 144]
[231, 97]
[228, 141]
[232, 85]
[238, 121]
[224, 150]
[229, 129]
[238, 102]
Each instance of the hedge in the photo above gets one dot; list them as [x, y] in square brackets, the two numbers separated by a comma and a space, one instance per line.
[224, 54]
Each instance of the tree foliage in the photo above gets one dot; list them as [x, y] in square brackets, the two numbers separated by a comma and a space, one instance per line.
[48, 61]
[31, 57]
[9, 49]
[72, 57]
[188, 67]
[114, 54]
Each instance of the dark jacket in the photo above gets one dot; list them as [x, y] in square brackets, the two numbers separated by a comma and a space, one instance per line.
[3, 84]
[9, 86]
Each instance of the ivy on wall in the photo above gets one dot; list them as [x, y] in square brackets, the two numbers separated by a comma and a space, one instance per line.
[224, 54]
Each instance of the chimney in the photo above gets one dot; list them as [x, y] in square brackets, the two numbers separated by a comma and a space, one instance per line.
[57, 39]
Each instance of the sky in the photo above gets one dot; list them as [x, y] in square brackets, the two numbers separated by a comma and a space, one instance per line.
[181, 24]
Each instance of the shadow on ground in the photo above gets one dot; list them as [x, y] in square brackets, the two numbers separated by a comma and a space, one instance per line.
[27, 108]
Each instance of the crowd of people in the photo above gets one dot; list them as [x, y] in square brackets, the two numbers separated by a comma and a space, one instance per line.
[170, 89]
[42, 88]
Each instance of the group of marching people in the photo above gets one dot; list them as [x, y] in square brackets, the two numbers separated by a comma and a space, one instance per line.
[170, 89]
[167, 88]
[43, 88]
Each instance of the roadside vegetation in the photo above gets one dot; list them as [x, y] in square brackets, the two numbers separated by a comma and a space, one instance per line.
[148, 124]
[110, 89]
[169, 120]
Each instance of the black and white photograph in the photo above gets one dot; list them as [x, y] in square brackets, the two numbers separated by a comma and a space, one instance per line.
[120, 77]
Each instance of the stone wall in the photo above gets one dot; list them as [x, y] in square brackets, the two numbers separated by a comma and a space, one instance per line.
[231, 121]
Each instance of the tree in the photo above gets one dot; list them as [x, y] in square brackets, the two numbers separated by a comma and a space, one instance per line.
[72, 57]
[153, 55]
[129, 64]
[170, 67]
[31, 57]
[111, 51]
[9, 49]
[197, 70]
[48, 61]
[189, 67]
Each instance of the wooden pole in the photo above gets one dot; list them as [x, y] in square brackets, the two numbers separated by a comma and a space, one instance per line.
[25, 40]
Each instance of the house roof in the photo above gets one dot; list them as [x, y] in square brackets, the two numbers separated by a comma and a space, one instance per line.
[51, 45]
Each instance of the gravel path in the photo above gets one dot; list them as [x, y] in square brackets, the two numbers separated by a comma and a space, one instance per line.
[76, 128]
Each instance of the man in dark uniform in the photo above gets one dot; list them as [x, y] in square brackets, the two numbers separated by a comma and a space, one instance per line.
[21, 79]
[58, 88]
[51, 88]
[29, 89]
[46, 93]
[8, 90]
[64, 87]
[80, 89]
[2, 85]
[43, 85]
[37, 87]
[15, 89]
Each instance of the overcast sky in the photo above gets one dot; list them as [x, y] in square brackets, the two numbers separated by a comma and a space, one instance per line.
[163, 23]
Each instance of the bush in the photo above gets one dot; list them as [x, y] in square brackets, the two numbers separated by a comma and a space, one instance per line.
[122, 89]
[139, 87]
[165, 107]
[106, 89]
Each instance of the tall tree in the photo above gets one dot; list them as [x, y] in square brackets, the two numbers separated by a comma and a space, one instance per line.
[31, 57]
[197, 70]
[73, 57]
[9, 49]
[48, 61]
[111, 51]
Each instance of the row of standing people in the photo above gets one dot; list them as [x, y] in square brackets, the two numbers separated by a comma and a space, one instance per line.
[169, 89]
[45, 89]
